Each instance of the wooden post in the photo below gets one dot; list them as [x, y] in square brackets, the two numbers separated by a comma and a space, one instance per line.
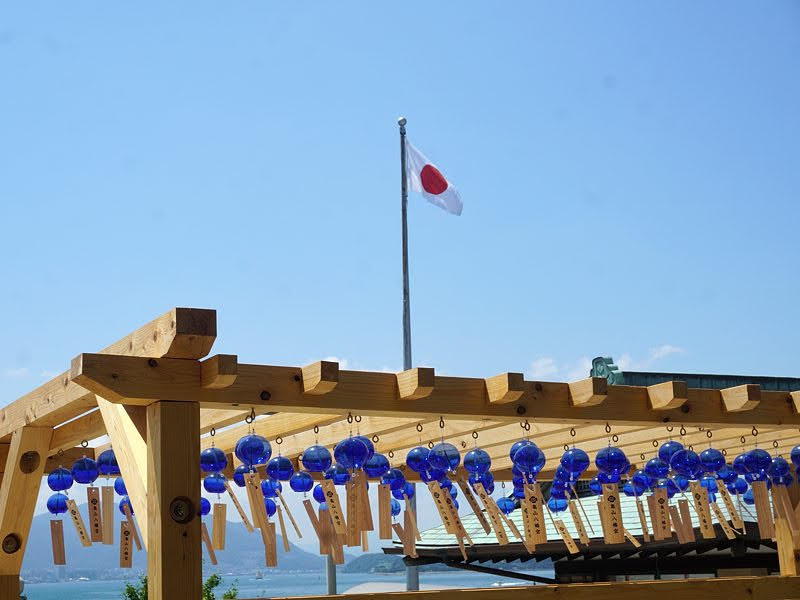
[174, 559]
[25, 464]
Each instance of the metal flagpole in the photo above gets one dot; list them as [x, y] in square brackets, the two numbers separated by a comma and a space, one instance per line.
[412, 573]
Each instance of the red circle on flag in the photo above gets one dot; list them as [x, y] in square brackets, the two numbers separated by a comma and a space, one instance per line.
[432, 180]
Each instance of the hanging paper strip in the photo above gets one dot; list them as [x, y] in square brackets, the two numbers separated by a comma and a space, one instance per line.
[95, 514]
[473, 503]
[218, 526]
[57, 541]
[108, 514]
[77, 520]
[125, 545]
[207, 542]
[384, 512]
[766, 524]
[576, 519]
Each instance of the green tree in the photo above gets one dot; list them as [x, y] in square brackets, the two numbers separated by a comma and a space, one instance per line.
[138, 591]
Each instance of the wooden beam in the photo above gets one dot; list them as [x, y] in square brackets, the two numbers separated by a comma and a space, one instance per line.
[320, 377]
[505, 388]
[130, 447]
[174, 559]
[219, 371]
[668, 395]
[18, 492]
[588, 392]
[795, 400]
[416, 383]
[217, 418]
[278, 389]
[283, 425]
[752, 588]
[86, 427]
[179, 333]
[741, 398]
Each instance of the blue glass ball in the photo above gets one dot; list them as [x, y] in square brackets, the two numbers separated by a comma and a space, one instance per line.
[709, 483]
[213, 460]
[667, 449]
[638, 486]
[611, 460]
[107, 463]
[557, 504]
[445, 483]
[507, 505]
[784, 480]
[205, 506]
[454, 492]
[119, 487]
[126, 501]
[748, 497]
[316, 459]
[253, 449]
[477, 460]
[642, 479]
[417, 459]
[741, 485]
[778, 467]
[738, 465]
[727, 474]
[627, 489]
[595, 486]
[575, 460]
[376, 466]
[394, 479]
[301, 482]
[519, 492]
[368, 443]
[516, 446]
[563, 475]
[795, 456]
[214, 483]
[338, 474]
[455, 505]
[85, 471]
[270, 488]
[280, 468]
[681, 481]
[59, 479]
[528, 457]
[395, 507]
[400, 494]
[607, 478]
[269, 504]
[756, 476]
[432, 475]
[685, 462]
[239, 473]
[57, 504]
[558, 492]
[489, 487]
[409, 489]
[656, 468]
[757, 460]
[323, 506]
[318, 493]
[351, 453]
[444, 456]
[712, 460]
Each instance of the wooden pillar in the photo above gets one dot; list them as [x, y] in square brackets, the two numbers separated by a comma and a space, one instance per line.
[25, 464]
[174, 559]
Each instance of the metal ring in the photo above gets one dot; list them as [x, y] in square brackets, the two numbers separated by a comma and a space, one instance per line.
[655, 443]
[608, 428]
[419, 427]
[60, 452]
[742, 439]
[775, 443]
[474, 435]
[670, 428]
[248, 419]
[441, 423]
[754, 431]
[349, 417]
[316, 428]
[691, 448]
[641, 456]
[463, 444]
[279, 440]
[566, 447]
[572, 432]
[709, 435]
[357, 418]
[724, 452]
[84, 444]
[615, 438]
[391, 453]
[213, 432]
[430, 444]
[682, 430]
[375, 438]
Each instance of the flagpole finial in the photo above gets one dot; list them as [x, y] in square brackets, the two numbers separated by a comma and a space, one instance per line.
[401, 121]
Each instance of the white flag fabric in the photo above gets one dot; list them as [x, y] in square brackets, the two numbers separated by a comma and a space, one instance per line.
[423, 177]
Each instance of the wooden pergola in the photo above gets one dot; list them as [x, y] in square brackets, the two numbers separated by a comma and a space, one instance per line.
[158, 394]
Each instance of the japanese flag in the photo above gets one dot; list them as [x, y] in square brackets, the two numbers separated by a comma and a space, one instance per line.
[423, 177]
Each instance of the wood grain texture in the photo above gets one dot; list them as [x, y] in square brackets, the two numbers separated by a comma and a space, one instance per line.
[219, 371]
[668, 395]
[588, 392]
[320, 377]
[416, 383]
[174, 560]
[505, 388]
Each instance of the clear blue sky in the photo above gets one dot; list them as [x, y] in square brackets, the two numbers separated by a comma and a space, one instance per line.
[629, 172]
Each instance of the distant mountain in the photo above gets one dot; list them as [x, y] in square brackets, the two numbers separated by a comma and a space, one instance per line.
[244, 553]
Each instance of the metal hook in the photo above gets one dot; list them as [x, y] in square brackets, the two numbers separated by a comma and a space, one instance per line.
[391, 453]
[84, 444]
[754, 431]
[670, 428]
[279, 440]
[316, 428]
[566, 447]
[475, 435]
[349, 417]
[441, 423]
[357, 418]
[375, 438]
[213, 432]
[419, 427]
[615, 438]
[709, 435]
[430, 444]
[608, 428]
[655, 443]
[572, 432]
[682, 430]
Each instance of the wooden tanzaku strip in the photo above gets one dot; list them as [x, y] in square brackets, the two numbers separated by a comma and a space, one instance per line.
[230, 468]
[364, 541]
[125, 545]
[788, 551]
[136, 381]
[579, 527]
[207, 542]
[180, 333]
[741, 398]
[282, 525]
[324, 526]
[219, 371]
[642, 519]
[77, 520]
[384, 512]
[239, 508]
[494, 514]
[72, 433]
[780, 498]
[535, 502]
[733, 514]
[218, 526]
[686, 520]
[677, 523]
[564, 533]
[409, 528]
[108, 514]
[334, 507]
[367, 523]
[312, 517]
[723, 523]
[57, 541]
[270, 545]
[588, 392]
[413, 521]
[668, 395]
[438, 498]
[661, 519]
[473, 503]
[95, 514]
[335, 542]
[632, 539]
[415, 383]
[128, 515]
[505, 388]
[766, 524]
[351, 499]
[289, 514]
[702, 510]
[320, 377]
[256, 500]
[512, 526]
